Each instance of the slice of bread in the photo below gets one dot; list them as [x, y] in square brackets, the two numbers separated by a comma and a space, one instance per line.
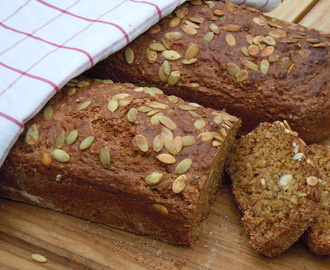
[317, 236]
[274, 185]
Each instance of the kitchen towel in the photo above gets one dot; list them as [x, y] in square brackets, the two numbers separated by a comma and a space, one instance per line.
[45, 43]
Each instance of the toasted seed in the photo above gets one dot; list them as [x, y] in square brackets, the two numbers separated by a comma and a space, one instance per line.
[113, 105]
[151, 55]
[285, 62]
[208, 37]
[188, 140]
[233, 69]
[310, 162]
[188, 29]
[230, 40]
[259, 21]
[205, 136]
[178, 144]
[153, 178]
[218, 119]
[218, 12]
[174, 78]
[154, 120]
[167, 122]
[71, 138]
[39, 258]
[121, 96]
[157, 105]
[48, 112]
[229, 6]
[46, 158]
[264, 66]
[320, 45]
[232, 27]
[183, 166]
[290, 69]
[173, 99]
[242, 75]
[190, 61]
[182, 12]
[214, 28]
[249, 39]
[192, 51]
[84, 105]
[105, 156]
[158, 143]
[267, 51]
[196, 19]
[132, 115]
[152, 112]
[171, 112]
[86, 143]
[249, 64]
[175, 22]
[210, 4]
[166, 133]
[253, 50]
[155, 29]
[277, 33]
[191, 24]
[144, 109]
[32, 134]
[294, 199]
[166, 158]
[169, 146]
[187, 107]
[284, 181]
[298, 156]
[269, 40]
[173, 35]
[273, 58]
[171, 55]
[179, 184]
[166, 67]
[245, 51]
[312, 181]
[160, 209]
[156, 46]
[195, 114]
[162, 75]
[129, 55]
[199, 124]
[82, 83]
[257, 39]
[71, 91]
[60, 155]
[313, 40]
[60, 140]
[141, 142]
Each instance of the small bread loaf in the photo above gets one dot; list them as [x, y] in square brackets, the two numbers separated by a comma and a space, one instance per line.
[227, 56]
[318, 235]
[275, 186]
[130, 157]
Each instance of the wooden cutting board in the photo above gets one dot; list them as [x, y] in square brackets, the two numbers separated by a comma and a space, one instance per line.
[72, 243]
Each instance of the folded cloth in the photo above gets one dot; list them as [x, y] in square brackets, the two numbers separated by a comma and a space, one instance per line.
[45, 43]
[262, 5]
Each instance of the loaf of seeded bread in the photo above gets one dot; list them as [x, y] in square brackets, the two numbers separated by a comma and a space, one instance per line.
[130, 157]
[275, 185]
[318, 235]
[227, 56]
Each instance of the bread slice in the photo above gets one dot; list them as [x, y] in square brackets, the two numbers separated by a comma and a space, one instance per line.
[317, 236]
[274, 185]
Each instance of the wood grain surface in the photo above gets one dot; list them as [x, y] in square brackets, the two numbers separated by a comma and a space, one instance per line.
[72, 243]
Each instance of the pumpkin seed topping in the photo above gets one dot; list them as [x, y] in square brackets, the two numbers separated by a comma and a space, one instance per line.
[160, 209]
[179, 184]
[233, 69]
[144, 109]
[155, 29]
[60, 155]
[191, 24]
[188, 140]
[214, 28]
[267, 51]
[229, 6]
[154, 120]
[71, 91]
[182, 12]
[218, 119]
[173, 35]
[174, 78]
[285, 62]
[151, 55]
[129, 55]
[245, 51]
[187, 107]
[232, 27]
[277, 33]
[188, 29]
[162, 75]
[273, 58]
[259, 21]
[113, 105]
[199, 124]
[156, 46]
[173, 99]
[71, 138]
[105, 156]
[84, 105]
[169, 146]
[192, 51]
[48, 112]
[167, 122]
[178, 144]
[249, 64]
[46, 158]
[132, 115]
[152, 112]
[253, 50]
[166, 133]
[153, 178]
[269, 40]
[82, 84]
[205, 136]
[171, 55]
[264, 66]
[166, 158]
[175, 22]
[32, 134]
[249, 39]
[60, 140]
[208, 37]
[230, 40]
[141, 142]
[183, 166]
[158, 143]
[242, 75]
[157, 105]
[86, 143]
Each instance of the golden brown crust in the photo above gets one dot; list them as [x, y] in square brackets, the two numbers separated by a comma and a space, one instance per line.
[92, 153]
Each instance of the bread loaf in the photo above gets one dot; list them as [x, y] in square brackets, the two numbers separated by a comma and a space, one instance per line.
[226, 56]
[275, 186]
[318, 235]
[124, 156]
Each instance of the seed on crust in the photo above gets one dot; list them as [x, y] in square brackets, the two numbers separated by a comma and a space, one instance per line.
[32, 135]
[277, 33]
[86, 143]
[230, 40]
[167, 67]
[46, 158]
[129, 55]
[233, 69]
[188, 140]
[167, 122]
[179, 184]
[214, 28]
[157, 105]
[190, 61]
[157, 46]
[162, 75]
[141, 142]
[72, 137]
[158, 143]
[264, 66]
[105, 156]
[84, 105]
[153, 178]
[192, 51]
[253, 49]
[205, 136]
[175, 22]
[166, 133]
[285, 63]
[259, 21]
[174, 78]
[188, 29]
[113, 105]
[60, 155]
[155, 29]
[242, 75]
[249, 64]
[199, 124]
[154, 120]
[183, 166]
[151, 55]
[173, 35]
[267, 51]
[166, 158]
[312, 181]
[132, 115]
[173, 99]
[171, 55]
[48, 112]
[232, 27]
[160, 209]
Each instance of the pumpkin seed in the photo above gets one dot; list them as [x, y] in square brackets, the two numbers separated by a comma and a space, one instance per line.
[320, 45]
[166, 158]
[71, 91]
[257, 39]
[166, 133]
[157, 105]
[182, 12]
[183, 166]
[233, 69]
[84, 105]
[60, 140]
[269, 40]
[161, 75]
[105, 156]
[273, 58]
[249, 64]
[151, 55]
[178, 144]
[141, 142]
[113, 105]
[199, 124]
[32, 134]
[208, 37]
[187, 107]
[154, 120]
[192, 51]
[218, 119]
[214, 28]
[188, 29]
[48, 112]
[156, 46]
[188, 140]
[312, 40]
[167, 122]
[175, 22]
[290, 69]
[245, 51]
[242, 75]
[264, 66]
[174, 78]
[171, 112]
[285, 62]
[173, 99]
[155, 29]
[230, 40]
[173, 35]
[218, 12]
[171, 55]
[86, 143]
[259, 21]
[121, 96]
[129, 55]
[191, 24]
[196, 19]
[125, 101]
[160, 209]
[249, 39]
[194, 114]
[82, 84]
[179, 184]
[166, 67]
[153, 178]
[277, 33]
[189, 62]
[210, 4]
[132, 115]
[71, 138]
[60, 155]
[46, 158]
[205, 136]
[253, 50]
[169, 146]
[232, 27]
[288, 40]
[267, 51]
[153, 91]
[144, 109]
[158, 143]
[229, 6]
[152, 112]
[216, 143]
[39, 258]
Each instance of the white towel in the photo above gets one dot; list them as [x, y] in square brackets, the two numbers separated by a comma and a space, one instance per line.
[262, 5]
[45, 43]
